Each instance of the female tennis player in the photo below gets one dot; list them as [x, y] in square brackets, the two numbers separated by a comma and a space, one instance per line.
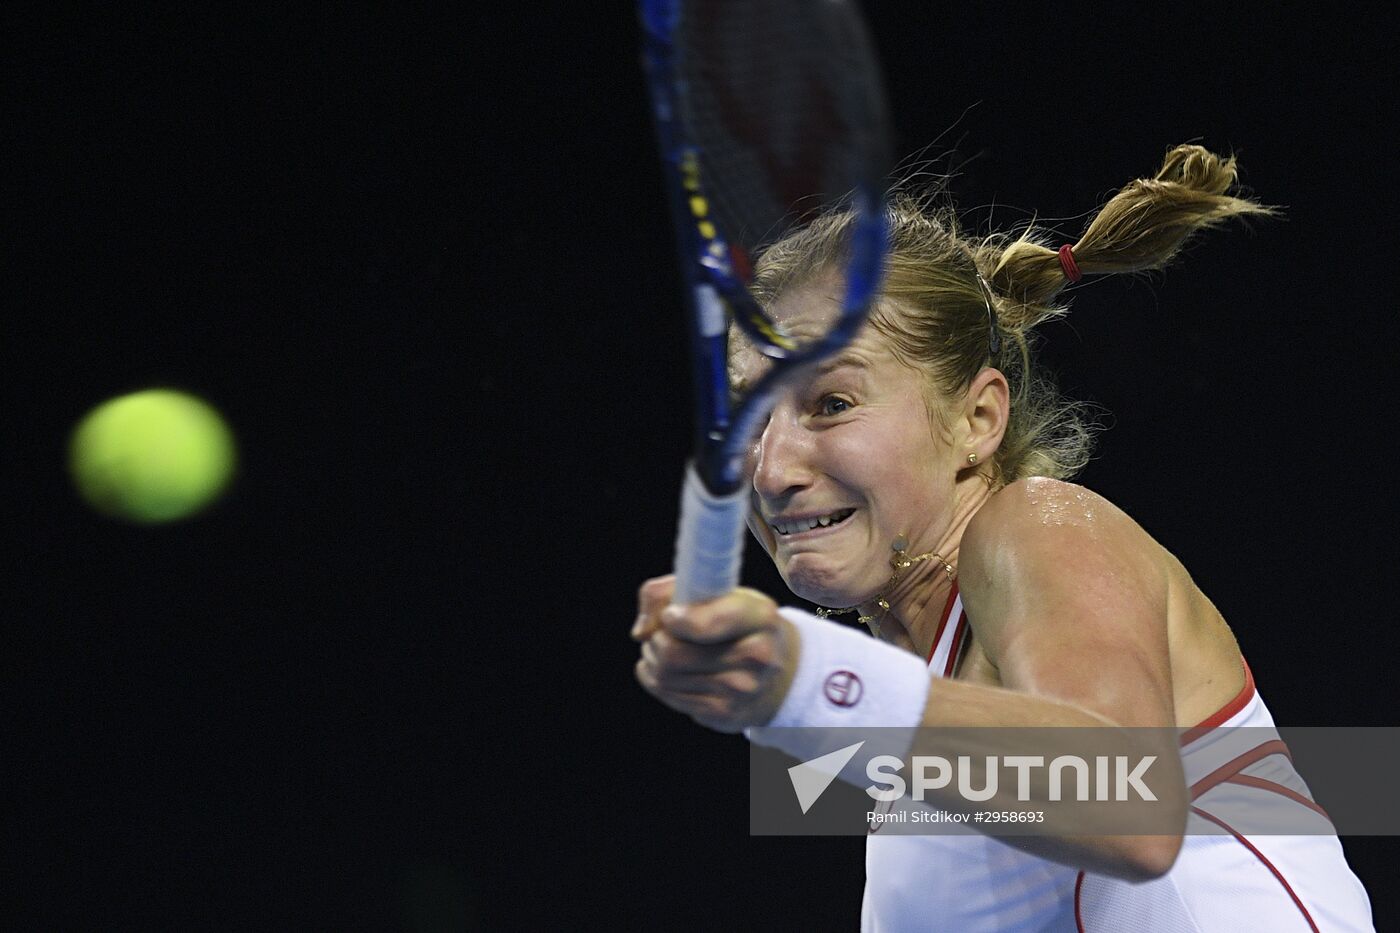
[922, 479]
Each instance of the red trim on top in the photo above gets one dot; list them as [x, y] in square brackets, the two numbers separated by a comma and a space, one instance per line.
[1267, 864]
[1249, 780]
[1078, 917]
[943, 622]
[1238, 764]
[959, 640]
[1223, 714]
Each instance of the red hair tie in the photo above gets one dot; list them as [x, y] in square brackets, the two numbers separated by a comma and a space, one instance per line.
[1068, 264]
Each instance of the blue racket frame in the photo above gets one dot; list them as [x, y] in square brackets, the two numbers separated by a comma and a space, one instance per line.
[714, 504]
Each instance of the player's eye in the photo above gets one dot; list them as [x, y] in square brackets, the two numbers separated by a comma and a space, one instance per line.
[833, 405]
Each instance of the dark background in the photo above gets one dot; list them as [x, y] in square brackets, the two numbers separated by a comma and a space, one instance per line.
[422, 264]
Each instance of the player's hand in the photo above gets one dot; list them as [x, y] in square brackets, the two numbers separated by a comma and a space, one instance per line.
[726, 663]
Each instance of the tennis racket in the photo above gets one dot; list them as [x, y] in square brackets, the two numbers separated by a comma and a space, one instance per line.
[762, 108]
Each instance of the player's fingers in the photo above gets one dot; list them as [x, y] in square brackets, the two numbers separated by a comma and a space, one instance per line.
[738, 685]
[652, 682]
[728, 618]
[711, 708]
[680, 666]
[652, 597]
[655, 594]
[752, 652]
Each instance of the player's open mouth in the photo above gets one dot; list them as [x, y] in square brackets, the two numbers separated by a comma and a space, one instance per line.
[797, 525]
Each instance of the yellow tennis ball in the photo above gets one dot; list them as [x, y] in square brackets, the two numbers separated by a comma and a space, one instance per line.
[151, 456]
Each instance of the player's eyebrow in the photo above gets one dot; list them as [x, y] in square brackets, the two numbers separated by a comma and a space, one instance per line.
[846, 360]
[738, 385]
[843, 360]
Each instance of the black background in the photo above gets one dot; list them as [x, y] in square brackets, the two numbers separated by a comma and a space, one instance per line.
[422, 263]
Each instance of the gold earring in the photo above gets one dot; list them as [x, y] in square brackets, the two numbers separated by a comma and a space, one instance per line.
[971, 458]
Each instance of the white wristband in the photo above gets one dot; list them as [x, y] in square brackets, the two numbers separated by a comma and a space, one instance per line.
[844, 680]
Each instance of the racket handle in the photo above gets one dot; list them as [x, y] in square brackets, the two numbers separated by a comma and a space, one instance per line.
[710, 542]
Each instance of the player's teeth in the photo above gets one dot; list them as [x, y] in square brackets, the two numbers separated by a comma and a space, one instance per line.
[821, 521]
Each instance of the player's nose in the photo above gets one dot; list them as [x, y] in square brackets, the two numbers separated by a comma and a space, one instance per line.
[781, 458]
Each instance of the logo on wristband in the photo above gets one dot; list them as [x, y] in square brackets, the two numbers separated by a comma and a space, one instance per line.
[843, 688]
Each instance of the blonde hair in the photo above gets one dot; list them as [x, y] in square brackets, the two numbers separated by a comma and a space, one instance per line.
[933, 309]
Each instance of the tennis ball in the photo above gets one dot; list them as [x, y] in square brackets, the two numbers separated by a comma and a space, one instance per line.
[151, 456]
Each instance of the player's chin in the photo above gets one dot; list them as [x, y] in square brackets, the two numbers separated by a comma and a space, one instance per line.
[818, 581]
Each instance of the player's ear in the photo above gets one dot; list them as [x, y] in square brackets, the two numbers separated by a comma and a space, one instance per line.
[986, 412]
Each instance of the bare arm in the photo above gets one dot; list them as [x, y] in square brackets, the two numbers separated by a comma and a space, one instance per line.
[1068, 599]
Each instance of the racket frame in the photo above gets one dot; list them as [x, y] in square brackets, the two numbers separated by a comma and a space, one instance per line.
[714, 502]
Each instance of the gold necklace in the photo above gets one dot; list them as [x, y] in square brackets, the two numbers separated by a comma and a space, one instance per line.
[900, 562]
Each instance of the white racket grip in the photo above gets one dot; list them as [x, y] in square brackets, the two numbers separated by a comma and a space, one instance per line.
[710, 542]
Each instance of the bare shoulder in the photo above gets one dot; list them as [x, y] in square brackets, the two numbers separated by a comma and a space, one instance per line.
[1041, 547]
[1069, 598]
[1041, 514]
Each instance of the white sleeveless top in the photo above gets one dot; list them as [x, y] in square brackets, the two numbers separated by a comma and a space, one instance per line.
[977, 884]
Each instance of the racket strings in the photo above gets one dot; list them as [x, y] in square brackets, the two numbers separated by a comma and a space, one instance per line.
[772, 97]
